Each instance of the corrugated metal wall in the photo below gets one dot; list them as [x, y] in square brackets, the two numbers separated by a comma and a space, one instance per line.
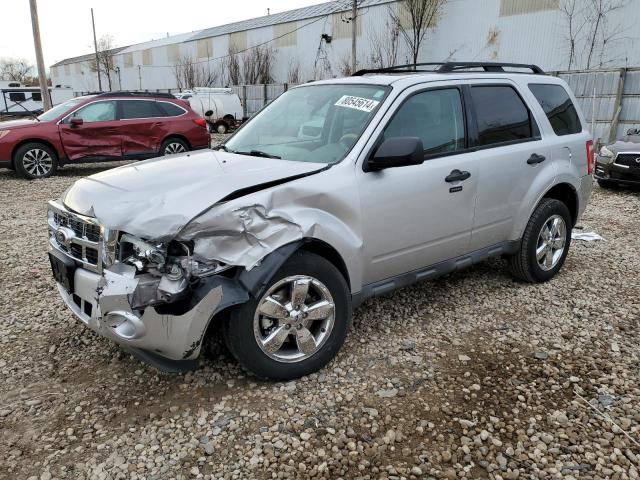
[609, 99]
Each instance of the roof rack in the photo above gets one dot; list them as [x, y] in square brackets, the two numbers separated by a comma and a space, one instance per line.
[450, 67]
[132, 93]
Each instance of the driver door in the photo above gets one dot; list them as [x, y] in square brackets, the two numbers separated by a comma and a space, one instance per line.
[97, 138]
[413, 217]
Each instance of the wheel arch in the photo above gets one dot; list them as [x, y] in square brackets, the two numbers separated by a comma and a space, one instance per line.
[33, 140]
[567, 194]
[178, 136]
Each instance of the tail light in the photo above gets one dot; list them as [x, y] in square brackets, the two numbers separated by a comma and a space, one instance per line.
[590, 154]
[201, 122]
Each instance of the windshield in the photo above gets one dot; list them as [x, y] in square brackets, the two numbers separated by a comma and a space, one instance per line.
[315, 123]
[58, 110]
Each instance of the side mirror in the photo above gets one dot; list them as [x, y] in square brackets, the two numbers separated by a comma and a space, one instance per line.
[76, 121]
[396, 152]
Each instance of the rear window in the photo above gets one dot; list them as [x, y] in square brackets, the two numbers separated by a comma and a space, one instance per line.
[502, 115]
[17, 97]
[169, 109]
[138, 109]
[36, 96]
[558, 107]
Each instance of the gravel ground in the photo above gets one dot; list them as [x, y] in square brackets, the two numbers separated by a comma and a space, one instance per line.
[470, 376]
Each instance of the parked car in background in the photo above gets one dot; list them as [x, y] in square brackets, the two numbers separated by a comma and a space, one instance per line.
[619, 163]
[220, 106]
[101, 127]
[413, 174]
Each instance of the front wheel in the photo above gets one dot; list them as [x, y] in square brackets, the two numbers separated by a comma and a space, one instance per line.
[221, 128]
[545, 243]
[35, 160]
[296, 325]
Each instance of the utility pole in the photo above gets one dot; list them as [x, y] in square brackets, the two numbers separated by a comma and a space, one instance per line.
[42, 73]
[354, 34]
[95, 45]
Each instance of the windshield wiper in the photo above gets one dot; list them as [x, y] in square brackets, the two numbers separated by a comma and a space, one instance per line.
[258, 153]
[221, 147]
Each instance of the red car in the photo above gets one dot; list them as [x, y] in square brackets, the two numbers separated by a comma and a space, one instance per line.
[101, 127]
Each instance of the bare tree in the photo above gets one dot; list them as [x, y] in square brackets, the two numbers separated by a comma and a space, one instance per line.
[293, 75]
[384, 45]
[598, 12]
[575, 21]
[257, 65]
[232, 67]
[190, 74]
[105, 64]
[414, 18]
[16, 69]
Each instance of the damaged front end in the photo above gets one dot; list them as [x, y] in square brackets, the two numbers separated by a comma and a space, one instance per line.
[155, 299]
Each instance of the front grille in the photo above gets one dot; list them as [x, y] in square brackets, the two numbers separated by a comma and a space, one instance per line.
[82, 239]
[628, 159]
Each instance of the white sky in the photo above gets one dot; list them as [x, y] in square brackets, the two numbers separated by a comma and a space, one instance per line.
[65, 25]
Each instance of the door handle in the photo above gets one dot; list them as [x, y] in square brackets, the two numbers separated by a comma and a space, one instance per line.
[535, 158]
[457, 176]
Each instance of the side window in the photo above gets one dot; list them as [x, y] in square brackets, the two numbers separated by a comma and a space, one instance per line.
[17, 96]
[97, 112]
[435, 116]
[559, 108]
[130, 109]
[169, 109]
[501, 114]
[36, 96]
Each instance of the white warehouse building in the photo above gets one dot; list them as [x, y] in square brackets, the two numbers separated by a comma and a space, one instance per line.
[315, 41]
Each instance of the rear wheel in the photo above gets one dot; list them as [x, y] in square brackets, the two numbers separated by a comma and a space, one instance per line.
[173, 145]
[35, 160]
[296, 325]
[221, 128]
[545, 243]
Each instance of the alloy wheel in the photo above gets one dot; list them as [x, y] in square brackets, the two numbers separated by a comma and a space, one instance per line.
[174, 147]
[551, 242]
[294, 318]
[37, 162]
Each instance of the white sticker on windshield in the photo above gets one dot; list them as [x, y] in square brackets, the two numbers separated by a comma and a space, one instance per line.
[358, 103]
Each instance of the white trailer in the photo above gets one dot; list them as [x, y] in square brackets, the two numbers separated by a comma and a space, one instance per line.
[221, 107]
[17, 100]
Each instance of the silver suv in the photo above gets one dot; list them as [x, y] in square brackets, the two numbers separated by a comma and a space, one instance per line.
[336, 192]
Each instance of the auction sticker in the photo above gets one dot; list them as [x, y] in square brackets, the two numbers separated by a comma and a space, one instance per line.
[357, 103]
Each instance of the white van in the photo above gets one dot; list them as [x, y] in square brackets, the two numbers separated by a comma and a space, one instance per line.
[221, 107]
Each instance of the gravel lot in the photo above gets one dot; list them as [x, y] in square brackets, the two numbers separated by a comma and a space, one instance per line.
[470, 376]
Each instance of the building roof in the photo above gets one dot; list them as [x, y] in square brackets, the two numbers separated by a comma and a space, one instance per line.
[303, 13]
[84, 58]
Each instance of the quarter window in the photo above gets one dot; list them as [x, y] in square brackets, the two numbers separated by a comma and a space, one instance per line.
[97, 112]
[558, 107]
[434, 116]
[138, 109]
[169, 109]
[501, 114]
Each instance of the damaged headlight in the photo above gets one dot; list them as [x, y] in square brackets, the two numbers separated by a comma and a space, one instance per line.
[165, 269]
[605, 155]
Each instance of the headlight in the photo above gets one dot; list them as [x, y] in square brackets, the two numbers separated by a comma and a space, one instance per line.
[605, 155]
[4, 133]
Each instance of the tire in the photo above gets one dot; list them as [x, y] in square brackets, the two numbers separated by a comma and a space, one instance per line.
[525, 264]
[607, 184]
[35, 160]
[173, 145]
[221, 128]
[247, 327]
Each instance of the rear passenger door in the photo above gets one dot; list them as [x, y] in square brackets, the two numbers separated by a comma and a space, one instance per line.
[142, 126]
[515, 165]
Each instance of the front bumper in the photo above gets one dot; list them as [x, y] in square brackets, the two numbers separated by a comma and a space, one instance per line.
[627, 175]
[102, 303]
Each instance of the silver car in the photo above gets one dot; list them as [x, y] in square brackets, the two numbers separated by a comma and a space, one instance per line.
[275, 236]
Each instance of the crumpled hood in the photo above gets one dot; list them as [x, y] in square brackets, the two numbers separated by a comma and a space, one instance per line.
[15, 124]
[154, 199]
